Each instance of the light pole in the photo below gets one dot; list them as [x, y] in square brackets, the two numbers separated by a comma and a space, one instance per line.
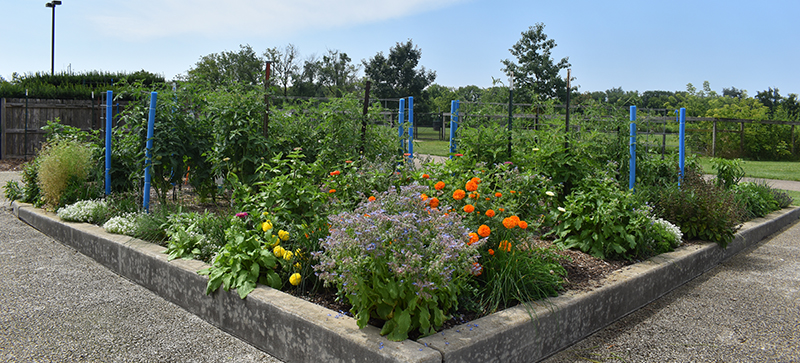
[53, 5]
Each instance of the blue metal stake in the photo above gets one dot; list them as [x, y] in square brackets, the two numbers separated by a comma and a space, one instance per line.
[453, 126]
[682, 143]
[410, 129]
[109, 118]
[148, 154]
[400, 119]
[632, 176]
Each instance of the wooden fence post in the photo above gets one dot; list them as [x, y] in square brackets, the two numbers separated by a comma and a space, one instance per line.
[741, 138]
[2, 128]
[714, 140]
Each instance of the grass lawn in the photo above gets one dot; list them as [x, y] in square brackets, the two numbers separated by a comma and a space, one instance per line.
[781, 170]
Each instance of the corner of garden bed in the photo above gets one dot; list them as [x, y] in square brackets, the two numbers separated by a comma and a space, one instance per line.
[295, 330]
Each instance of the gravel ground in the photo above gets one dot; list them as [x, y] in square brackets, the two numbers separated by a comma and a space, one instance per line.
[744, 310]
[57, 305]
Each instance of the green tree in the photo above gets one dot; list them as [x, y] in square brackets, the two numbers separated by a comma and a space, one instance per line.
[285, 66]
[337, 75]
[227, 68]
[398, 75]
[534, 71]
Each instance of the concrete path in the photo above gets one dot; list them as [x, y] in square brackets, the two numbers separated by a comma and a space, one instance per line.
[57, 305]
[745, 310]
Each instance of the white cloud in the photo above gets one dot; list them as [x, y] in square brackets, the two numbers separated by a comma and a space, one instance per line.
[149, 19]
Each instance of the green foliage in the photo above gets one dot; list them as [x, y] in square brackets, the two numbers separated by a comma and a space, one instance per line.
[601, 219]
[399, 260]
[64, 169]
[195, 236]
[243, 68]
[757, 199]
[247, 258]
[13, 191]
[397, 75]
[534, 72]
[518, 273]
[30, 180]
[729, 172]
[701, 208]
[70, 85]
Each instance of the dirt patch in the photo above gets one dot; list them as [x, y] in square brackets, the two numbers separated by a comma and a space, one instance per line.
[11, 164]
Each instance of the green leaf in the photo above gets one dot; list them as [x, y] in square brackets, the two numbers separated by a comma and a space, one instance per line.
[246, 289]
[384, 311]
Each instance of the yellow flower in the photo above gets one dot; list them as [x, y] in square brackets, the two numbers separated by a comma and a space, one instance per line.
[266, 226]
[295, 279]
[283, 235]
[278, 251]
[287, 255]
[298, 266]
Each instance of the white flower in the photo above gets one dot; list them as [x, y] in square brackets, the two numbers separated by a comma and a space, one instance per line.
[124, 224]
[561, 209]
[549, 193]
[81, 211]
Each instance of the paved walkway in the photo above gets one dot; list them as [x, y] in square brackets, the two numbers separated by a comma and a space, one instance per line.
[57, 305]
[745, 310]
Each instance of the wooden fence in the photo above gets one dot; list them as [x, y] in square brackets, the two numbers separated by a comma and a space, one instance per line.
[21, 121]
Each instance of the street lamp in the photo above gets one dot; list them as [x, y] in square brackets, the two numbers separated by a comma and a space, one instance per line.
[53, 4]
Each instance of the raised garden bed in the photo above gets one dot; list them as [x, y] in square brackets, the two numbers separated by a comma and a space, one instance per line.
[295, 330]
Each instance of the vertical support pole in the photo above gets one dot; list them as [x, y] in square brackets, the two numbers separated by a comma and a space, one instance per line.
[453, 126]
[632, 176]
[410, 129]
[25, 138]
[109, 119]
[741, 138]
[714, 139]
[148, 154]
[792, 132]
[364, 118]
[401, 115]
[681, 143]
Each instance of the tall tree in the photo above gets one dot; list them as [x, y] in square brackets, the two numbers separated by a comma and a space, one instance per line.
[285, 66]
[398, 76]
[215, 70]
[337, 75]
[534, 71]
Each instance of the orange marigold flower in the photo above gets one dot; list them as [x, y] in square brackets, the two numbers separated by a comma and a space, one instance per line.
[425, 176]
[504, 246]
[502, 209]
[512, 191]
[371, 198]
[484, 230]
[491, 252]
[475, 180]
[490, 213]
[472, 195]
[332, 191]
[473, 237]
[471, 186]
[439, 185]
[522, 224]
[498, 194]
[487, 198]
[423, 196]
[469, 208]
[434, 202]
[509, 223]
[348, 161]
[335, 173]
[459, 194]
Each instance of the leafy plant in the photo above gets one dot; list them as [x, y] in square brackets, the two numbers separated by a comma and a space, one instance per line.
[601, 219]
[251, 255]
[63, 163]
[729, 172]
[400, 259]
[194, 235]
[13, 191]
[757, 199]
[701, 209]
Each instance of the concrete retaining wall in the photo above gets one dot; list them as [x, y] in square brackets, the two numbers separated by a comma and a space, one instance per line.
[295, 330]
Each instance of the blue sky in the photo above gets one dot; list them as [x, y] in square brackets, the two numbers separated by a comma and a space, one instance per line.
[636, 45]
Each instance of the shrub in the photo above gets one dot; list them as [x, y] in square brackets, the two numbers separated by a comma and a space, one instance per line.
[13, 191]
[64, 166]
[30, 180]
[601, 219]
[701, 208]
[729, 172]
[757, 199]
[400, 260]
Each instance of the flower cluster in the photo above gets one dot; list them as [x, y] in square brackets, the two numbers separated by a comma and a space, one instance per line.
[123, 224]
[81, 211]
[398, 246]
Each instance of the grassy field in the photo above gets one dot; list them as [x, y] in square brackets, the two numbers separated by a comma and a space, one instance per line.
[781, 170]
